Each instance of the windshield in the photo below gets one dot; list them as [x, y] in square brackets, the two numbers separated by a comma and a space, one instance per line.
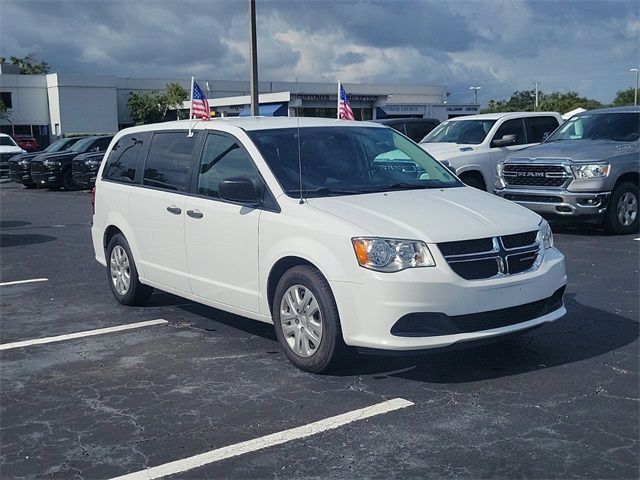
[348, 160]
[618, 127]
[464, 131]
[58, 145]
[82, 145]
[7, 142]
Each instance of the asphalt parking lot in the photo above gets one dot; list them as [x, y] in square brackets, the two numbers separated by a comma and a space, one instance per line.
[560, 402]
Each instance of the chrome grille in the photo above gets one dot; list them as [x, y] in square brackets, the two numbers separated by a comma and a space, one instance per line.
[492, 256]
[524, 175]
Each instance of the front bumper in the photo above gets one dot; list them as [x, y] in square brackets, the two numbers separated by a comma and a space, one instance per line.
[20, 174]
[369, 310]
[85, 180]
[554, 202]
[52, 178]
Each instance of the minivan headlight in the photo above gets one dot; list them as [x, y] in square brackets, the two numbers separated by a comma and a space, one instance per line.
[391, 255]
[595, 170]
[545, 236]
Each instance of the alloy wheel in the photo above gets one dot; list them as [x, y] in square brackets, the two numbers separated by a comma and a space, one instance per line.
[627, 209]
[120, 270]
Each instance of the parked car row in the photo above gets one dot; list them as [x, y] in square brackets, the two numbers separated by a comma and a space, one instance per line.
[69, 163]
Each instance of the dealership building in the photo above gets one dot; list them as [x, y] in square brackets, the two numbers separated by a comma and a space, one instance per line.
[47, 107]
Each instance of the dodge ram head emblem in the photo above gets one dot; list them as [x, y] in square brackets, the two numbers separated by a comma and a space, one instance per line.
[530, 174]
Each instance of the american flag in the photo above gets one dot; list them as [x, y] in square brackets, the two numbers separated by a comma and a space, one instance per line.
[344, 107]
[199, 103]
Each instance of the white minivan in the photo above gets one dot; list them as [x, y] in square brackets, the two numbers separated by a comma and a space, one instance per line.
[342, 234]
[473, 145]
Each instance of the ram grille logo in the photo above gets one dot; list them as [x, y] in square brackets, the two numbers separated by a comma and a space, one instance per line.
[531, 174]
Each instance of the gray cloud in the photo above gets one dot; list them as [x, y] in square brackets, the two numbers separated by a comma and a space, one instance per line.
[502, 45]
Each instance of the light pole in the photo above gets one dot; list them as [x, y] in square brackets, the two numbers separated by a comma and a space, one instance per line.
[253, 58]
[537, 84]
[475, 94]
[635, 94]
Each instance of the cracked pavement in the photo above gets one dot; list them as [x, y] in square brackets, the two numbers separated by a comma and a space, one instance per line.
[560, 402]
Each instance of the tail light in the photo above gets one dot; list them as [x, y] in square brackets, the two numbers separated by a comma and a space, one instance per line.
[93, 200]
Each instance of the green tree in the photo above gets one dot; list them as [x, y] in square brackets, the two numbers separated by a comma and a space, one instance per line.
[147, 107]
[565, 102]
[29, 65]
[175, 96]
[520, 101]
[624, 97]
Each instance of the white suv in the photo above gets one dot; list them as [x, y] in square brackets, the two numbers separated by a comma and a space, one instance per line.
[473, 145]
[339, 233]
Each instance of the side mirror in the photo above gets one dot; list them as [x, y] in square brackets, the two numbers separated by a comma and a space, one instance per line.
[505, 141]
[448, 166]
[240, 190]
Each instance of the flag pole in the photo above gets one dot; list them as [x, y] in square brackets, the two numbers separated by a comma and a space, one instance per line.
[191, 109]
[338, 100]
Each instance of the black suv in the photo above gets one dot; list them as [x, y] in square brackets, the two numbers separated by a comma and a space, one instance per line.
[55, 170]
[85, 169]
[414, 128]
[20, 166]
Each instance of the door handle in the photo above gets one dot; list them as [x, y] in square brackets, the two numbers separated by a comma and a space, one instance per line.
[195, 213]
[173, 209]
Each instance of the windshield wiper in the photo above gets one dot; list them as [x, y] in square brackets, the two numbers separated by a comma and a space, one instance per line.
[324, 191]
[395, 186]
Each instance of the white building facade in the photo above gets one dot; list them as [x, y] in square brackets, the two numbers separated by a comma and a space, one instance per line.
[50, 106]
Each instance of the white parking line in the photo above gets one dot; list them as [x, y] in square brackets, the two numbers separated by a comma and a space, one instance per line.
[267, 441]
[87, 333]
[18, 282]
[637, 238]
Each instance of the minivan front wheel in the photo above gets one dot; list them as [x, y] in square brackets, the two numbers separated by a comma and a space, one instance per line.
[123, 274]
[306, 320]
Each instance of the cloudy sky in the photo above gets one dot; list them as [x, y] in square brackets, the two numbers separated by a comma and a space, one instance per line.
[501, 45]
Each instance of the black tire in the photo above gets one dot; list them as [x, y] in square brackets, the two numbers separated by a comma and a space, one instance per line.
[331, 349]
[30, 186]
[67, 180]
[136, 293]
[474, 181]
[613, 224]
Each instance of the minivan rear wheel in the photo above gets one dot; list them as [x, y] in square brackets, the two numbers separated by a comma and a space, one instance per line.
[123, 274]
[306, 320]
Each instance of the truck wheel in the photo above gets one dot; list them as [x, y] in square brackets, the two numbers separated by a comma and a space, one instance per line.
[67, 180]
[621, 216]
[474, 181]
[306, 320]
[123, 274]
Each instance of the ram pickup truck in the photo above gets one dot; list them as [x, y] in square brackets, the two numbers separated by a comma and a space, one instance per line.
[473, 145]
[586, 170]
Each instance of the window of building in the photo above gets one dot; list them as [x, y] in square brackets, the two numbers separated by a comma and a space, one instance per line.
[169, 160]
[123, 159]
[223, 158]
[512, 127]
[5, 97]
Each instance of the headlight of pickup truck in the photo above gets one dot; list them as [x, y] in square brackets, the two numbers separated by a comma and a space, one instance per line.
[545, 237]
[391, 255]
[23, 163]
[595, 170]
[499, 180]
[52, 164]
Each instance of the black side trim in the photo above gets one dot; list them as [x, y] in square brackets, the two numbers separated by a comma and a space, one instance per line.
[435, 324]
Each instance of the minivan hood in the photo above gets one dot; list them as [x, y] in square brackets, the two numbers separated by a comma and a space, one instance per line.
[445, 150]
[577, 150]
[432, 215]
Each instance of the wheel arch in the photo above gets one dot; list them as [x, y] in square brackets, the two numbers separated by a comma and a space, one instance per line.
[633, 177]
[278, 270]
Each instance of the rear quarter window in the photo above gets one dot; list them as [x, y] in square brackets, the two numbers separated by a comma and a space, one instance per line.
[123, 159]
